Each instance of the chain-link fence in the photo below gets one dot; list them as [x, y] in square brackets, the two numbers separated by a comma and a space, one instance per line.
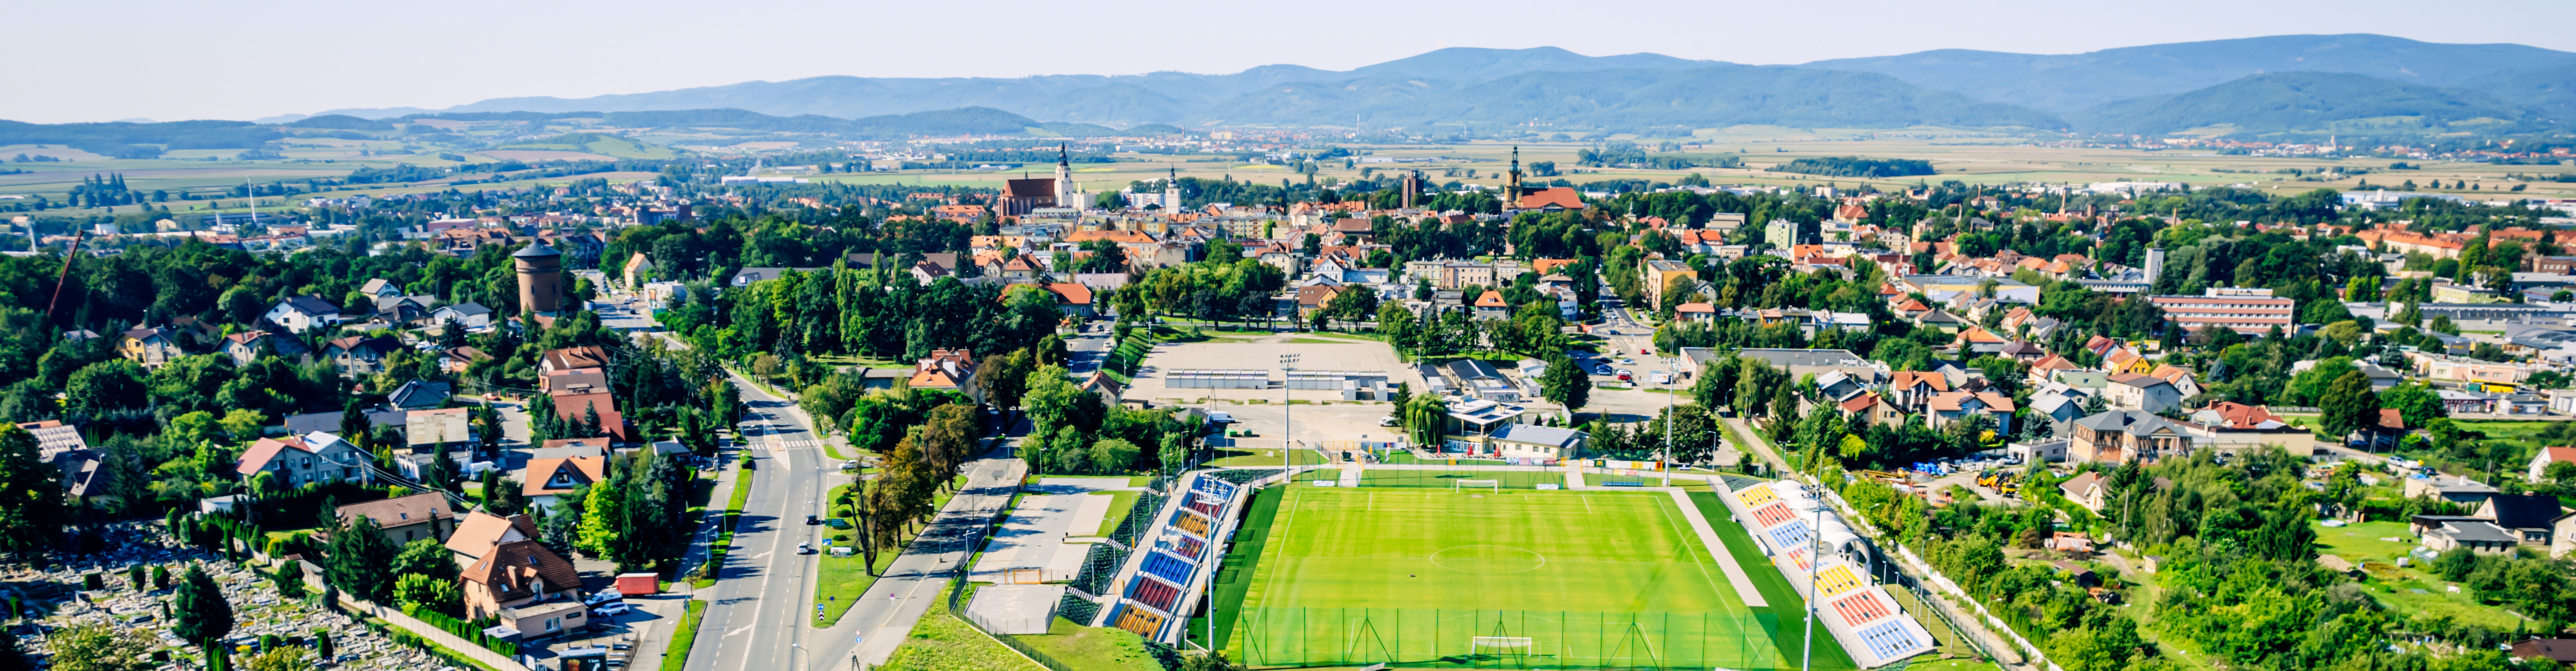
[1508, 639]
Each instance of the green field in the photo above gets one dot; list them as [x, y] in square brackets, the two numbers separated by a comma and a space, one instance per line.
[1410, 576]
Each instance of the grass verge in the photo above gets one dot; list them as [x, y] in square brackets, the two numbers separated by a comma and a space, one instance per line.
[1120, 503]
[1093, 648]
[724, 530]
[840, 581]
[1234, 575]
[685, 636]
[941, 642]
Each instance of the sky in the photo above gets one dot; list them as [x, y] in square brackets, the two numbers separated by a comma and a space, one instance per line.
[102, 60]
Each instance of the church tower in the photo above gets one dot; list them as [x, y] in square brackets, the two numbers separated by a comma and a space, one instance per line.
[1172, 191]
[1512, 182]
[1065, 196]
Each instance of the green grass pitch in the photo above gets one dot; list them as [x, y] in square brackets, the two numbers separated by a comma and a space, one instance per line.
[1412, 575]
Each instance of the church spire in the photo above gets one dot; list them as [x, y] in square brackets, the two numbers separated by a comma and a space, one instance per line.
[1512, 182]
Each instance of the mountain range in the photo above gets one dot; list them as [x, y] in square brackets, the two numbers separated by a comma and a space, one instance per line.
[2285, 83]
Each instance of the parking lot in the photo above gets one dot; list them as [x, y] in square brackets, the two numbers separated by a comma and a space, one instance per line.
[1312, 424]
[1351, 356]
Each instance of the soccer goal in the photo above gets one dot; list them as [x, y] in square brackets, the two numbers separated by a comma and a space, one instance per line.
[1464, 485]
[1500, 645]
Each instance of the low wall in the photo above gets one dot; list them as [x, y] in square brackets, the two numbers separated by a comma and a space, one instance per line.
[428, 631]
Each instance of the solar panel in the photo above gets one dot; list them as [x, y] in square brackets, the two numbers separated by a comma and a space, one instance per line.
[1891, 640]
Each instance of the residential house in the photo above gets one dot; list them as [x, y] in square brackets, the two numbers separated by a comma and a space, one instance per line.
[950, 370]
[1947, 408]
[2540, 461]
[2179, 377]
[1490, 305]
[359, 356]
[1874, 409]
[2123, 436]
[549, 477]
[1911, 389]
[310, 458]
[579, 409]
[247, 347]
[2139, 391]
[1074, 300]
[479, 532]
[380, 288]
[461, 359]
[586, 356]
[526, 587]
[2448, 487]
[437, 432]
[416, 395]
[2561, 651]
[150, 346]
[471, 316]
[2086, 489]
[404, 519]
[2059, 405]
[638, 270]
[2528, 517]
[302, 313]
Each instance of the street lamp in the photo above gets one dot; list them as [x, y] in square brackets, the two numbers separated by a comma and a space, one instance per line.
[1287, 459]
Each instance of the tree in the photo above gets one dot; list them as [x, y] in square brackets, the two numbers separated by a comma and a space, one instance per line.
[101, 647]
[1114, 455]
[1424, 417]
[282, 658]
[426, 557]
[31, 496]
[2416, 403]
[1565, 383]
[357, 558]
[289, 579]
[13, 654]
[2349, 405]
[414, 590]
[106, 386]
[199, 608]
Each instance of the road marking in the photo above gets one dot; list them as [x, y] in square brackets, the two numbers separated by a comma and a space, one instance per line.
[764, 554]
[737, 631]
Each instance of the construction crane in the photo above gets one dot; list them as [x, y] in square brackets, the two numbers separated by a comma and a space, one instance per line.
[65, 276]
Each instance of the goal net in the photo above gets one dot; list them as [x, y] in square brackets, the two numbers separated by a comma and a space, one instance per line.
[1464, 485]
[1499, 645]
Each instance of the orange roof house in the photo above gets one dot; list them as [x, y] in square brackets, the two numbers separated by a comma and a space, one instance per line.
[946, 369]
[549, 477]
[1552, 198]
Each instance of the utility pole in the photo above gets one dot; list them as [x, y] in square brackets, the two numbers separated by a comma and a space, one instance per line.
[1664, 464]
[1807, 641]
[1287, 458]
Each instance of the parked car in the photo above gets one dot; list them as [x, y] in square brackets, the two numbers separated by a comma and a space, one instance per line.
[603, 596]
[806, 548]
[613, 609]
[810, 519]
[1625, 376]
[1221, 417]
[1603, 370]
[1388, 420]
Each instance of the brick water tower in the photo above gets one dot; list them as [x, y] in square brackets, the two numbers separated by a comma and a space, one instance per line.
[541, 286]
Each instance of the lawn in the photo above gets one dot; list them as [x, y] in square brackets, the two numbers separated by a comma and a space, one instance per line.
[1269, 457]
[941, 642]
[723, 544]
[1414, 477]
[1120, 503]
[1411, 576]
[1082, 648]
[1787, 609]
[840, 581]
[2410, 589]
[676, 656]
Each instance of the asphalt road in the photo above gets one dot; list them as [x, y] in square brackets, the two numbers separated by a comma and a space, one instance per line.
[896, 601]
[757, 611]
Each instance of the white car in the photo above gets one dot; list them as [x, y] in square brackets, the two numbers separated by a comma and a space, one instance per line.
[1663, 378]
[613, 609]
[602, 596]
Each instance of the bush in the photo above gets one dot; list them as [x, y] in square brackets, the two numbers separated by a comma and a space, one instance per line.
[462, 629]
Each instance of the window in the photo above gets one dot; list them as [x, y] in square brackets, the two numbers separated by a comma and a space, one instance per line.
[554, 624]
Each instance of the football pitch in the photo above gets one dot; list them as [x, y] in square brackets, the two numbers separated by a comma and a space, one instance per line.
[1516, 579]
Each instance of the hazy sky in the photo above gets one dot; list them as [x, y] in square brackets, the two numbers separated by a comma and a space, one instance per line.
[99, 60]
